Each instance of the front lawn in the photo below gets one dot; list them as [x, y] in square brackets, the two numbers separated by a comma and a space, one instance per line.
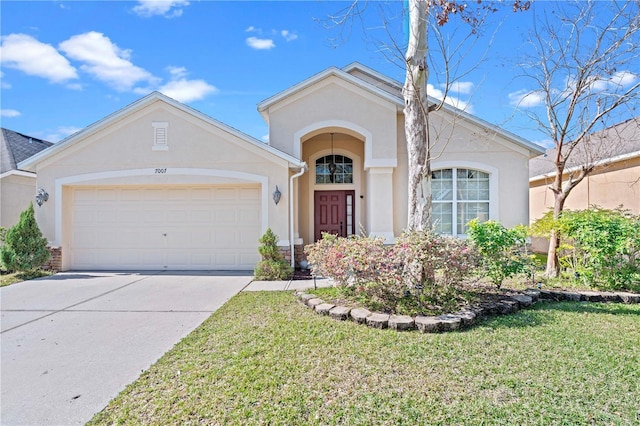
[263, 358]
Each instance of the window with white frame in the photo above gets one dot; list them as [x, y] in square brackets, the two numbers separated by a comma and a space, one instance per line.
[459, 195]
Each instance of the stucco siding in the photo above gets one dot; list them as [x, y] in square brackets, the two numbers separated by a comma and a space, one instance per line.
[198, 153]
[16, 192]
[330, 101]
[608, 187]
[456, 143]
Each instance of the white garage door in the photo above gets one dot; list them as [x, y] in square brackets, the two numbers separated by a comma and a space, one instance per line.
[172, 228]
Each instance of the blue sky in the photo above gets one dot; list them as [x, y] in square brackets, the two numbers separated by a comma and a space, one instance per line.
[67, 64]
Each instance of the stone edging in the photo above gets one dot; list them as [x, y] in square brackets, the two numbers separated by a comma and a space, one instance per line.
[464, 318]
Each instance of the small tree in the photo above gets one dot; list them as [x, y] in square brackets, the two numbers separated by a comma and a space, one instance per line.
[581, 65]
[272, 266]
[25, 248]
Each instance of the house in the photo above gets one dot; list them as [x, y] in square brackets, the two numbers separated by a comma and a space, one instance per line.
[159, 185]
[17, 187]
[614, 182]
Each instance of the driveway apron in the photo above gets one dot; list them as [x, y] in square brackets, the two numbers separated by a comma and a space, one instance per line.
[71, 342]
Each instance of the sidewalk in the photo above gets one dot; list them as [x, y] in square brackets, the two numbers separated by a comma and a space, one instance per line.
[287, 285]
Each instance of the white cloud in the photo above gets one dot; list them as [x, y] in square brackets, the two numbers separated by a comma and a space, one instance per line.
[25, 53]
[184, 90]
[451, 100]
[265, 138]
[166, 8]
[461, 87]
[251, 29]
[105, 60]
[618, 80]
[60, 133]
[177, 72]
[546, 143]
[260, 43]
[288, 35]
[525, 98]
[9, 113]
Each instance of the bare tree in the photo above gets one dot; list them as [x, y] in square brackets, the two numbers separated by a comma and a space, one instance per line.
[582, 70]
[425, 16]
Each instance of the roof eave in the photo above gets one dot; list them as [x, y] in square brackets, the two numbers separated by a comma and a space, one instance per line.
[30, 163]
[605, 161]
[331, 71]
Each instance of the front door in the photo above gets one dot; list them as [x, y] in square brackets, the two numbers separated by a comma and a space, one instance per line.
[334, 213]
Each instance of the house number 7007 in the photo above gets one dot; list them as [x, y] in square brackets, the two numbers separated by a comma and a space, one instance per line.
[161, 171]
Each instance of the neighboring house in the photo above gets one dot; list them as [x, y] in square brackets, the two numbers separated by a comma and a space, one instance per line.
[614, 182]
[159, 185]
[17, 187]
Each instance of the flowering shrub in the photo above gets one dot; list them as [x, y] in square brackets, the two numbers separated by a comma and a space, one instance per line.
[434, 260]
[419, 268]
[352, 261]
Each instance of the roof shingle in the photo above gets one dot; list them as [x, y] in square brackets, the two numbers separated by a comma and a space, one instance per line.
[620, 139]
[16, 147]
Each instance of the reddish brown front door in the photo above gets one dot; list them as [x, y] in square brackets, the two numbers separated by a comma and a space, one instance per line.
[334, 213]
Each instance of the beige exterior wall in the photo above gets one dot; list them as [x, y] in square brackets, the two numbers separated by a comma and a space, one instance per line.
[609, 187]
[458, 143]
[122, 154]
[16, 192]
[335, 105]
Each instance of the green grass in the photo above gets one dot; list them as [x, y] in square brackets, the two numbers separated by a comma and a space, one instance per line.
[263, 358]
[16, 277]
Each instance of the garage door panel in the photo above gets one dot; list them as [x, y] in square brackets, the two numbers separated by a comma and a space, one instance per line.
[180, 227]
[248, 215]
[153, 216]
[106, 195]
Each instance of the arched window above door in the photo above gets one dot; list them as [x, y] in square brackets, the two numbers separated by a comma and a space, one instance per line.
[343, 172]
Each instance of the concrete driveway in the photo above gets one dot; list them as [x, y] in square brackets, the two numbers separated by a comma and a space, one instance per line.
[71, 342]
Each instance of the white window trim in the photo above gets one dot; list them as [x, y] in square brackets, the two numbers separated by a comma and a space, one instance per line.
[493, 186]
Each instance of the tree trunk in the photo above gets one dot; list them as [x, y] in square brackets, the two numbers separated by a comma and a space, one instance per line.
[553, 264]
[416, 118]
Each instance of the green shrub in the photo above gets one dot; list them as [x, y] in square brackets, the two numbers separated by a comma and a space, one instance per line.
[499, 249]
[25, 248]
[273, 266]
[607, 246]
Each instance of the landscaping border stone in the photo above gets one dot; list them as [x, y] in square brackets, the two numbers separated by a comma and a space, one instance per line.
[467, 317]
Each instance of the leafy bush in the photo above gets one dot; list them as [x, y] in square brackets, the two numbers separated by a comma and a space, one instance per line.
[419, 271]
[499, 249]
[25, 248]
[607, 246]
[273, 266]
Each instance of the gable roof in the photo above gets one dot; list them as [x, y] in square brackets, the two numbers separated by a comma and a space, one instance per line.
[329, 72]
[390, 90]
[141, 103]
[623, 141]
[16, 147]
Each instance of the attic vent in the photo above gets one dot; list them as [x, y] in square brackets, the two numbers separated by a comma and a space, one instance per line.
[160, 135]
